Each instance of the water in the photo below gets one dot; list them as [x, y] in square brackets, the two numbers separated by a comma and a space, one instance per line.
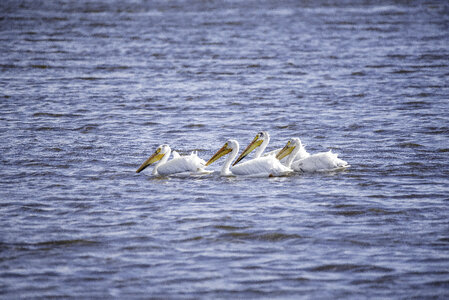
[89, 90]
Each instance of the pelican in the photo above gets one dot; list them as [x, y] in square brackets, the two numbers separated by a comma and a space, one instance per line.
[301, 153]
[261, 140]
[319, 162]
[262, 166]
[178, 165]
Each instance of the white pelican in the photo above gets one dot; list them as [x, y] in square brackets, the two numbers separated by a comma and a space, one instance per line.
[261, 140]
[300, 154]
[262, 166]
[179, 164]
[319, 162]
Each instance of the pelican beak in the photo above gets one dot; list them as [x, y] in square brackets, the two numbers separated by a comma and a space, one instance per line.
[223, 151]
[153, 158]
[254, 144]
[285, 151]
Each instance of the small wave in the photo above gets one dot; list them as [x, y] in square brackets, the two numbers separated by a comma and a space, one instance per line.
[379, 66]
[101, 35]
[438, 283]
[424, 95]
[46, 128]
[403, 71]
[416, 103]
[414, 164]
[437, 66]
[287, 126]
[53, 115]
[409, 145]
[89, 78]
[229, 227]
[229, 23]
[149, 123]
[350, 268]
[67, 242]
[432, 57]
[350, 213]
[265, 237]
[397, 56]
[87, 128]
[9, 66]
[353, 127]
[381, 29]
[193, 239]
[340, 23]
[273, 237]
[112, 67]
[194, 126]
[40, 66]
[360, 95]
[436, 130]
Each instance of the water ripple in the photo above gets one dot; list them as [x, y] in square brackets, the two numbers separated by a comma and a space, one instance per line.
[90, 89]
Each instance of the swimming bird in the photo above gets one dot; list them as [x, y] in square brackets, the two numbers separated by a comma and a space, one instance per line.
[259, 167]
[319, 162]
[300, 154]
[179, 164]
[261, 140]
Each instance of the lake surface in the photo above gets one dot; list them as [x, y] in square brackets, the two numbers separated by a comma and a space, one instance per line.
[89, 89]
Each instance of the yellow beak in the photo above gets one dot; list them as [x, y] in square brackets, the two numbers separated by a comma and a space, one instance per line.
[153, 158]
[285, 151]
[223, 151]
[254, 144]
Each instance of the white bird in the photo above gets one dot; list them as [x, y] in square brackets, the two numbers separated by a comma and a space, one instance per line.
[261, 140]
[300, 154]
[319, 162]
[260, 167]
[179, 164]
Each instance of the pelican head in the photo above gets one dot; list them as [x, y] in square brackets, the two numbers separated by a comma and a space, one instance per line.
[227, 147]
[160, 152]
[289, 147]
[261, 137]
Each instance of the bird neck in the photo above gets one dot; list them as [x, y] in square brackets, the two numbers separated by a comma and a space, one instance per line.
[262, 148]
[162, 161]
[225, 169]
[292, 156]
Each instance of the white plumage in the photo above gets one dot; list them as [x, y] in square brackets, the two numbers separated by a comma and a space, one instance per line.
[261, 142]
[301, 153]
[260, 167]
[191, 164]
[319, 162]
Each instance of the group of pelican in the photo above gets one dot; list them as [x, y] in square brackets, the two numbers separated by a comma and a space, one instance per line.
[291, 158]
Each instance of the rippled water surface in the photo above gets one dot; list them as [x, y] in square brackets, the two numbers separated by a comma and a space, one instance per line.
[89, 89]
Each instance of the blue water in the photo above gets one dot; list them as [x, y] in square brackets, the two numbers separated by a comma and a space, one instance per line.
[88, 90]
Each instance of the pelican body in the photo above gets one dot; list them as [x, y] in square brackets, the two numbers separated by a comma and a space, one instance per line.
[319, 162]
[260, 167]
[179, 164]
